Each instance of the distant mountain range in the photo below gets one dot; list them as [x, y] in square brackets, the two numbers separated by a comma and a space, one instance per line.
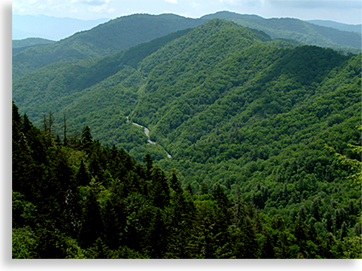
[42, 26]
[290, 28]
[127, 31]
[343, 27]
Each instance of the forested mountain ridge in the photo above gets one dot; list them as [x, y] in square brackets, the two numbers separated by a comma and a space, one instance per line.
[30, 42]
[339, 26]
[127, 31]
[105, 39]
[21, 45]
[291, 28]
[62, 80]
[74, 199]
[235, 109]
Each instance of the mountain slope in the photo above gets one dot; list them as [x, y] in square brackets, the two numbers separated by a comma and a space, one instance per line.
[125, 32]
[30, 42]
[304, 32]
[289, 28]
[105, 39]
[231, 106]
[343, 27]
[79, 195]
[21, 45]
[60, 81]
[62, 86]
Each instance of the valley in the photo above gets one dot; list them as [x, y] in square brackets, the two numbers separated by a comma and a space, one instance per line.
[147, 133]
[213, 129]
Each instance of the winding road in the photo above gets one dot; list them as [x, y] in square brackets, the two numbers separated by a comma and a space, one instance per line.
[147, 132]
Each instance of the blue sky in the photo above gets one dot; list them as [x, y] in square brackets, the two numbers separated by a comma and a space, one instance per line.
[348, 11]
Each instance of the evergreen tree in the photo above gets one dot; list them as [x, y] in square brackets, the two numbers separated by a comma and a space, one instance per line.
[175, 184]
[65, 140]
[189, 189]
[180, 221]
[315, 208]
[114, 222]
[160, 192]
[92, 224]
[86, 139]
[148, 161]
[203, 188]
[221, 198]
[82, 177]
[243, 232]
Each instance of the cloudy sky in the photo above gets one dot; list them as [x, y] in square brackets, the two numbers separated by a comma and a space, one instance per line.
[345, 11]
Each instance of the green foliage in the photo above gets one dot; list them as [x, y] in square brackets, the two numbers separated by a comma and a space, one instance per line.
[302, 31]
[246, 120]
[129, 210]
[353, 164]
[105, 39]
[124, 32]
[23, 243]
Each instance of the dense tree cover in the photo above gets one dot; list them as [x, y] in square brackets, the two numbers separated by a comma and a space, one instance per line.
[80, 200]
[21, 45]
[105, 39]
[290, 28]
[340, 26]
[236, 110]
[30, 42]
[353, 164]
[68, 82]
[304, 32]
[127, 31]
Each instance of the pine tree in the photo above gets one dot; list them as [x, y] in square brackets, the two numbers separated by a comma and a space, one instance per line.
[315, 208]
[189, 189]
[65, 140]
[92, 225]
[175, 184]
[203, 188]
[180, 221]
[83, 177]
[148, 161]
[86, 139]
[114, 222]
[160, 192]
[221, 198]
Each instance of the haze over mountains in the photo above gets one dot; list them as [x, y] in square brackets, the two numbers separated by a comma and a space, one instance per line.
[124, 32]
[246, 110]
[339, 26]
[42, 26]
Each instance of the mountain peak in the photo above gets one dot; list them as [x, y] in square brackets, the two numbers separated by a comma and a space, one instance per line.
[227, 15]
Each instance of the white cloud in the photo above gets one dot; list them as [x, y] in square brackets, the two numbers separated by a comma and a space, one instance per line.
[171, 1]
[93, 2]
[99, 8]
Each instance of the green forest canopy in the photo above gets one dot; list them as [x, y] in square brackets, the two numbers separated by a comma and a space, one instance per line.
[238, 112]
[75, 199]
[127, 31]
